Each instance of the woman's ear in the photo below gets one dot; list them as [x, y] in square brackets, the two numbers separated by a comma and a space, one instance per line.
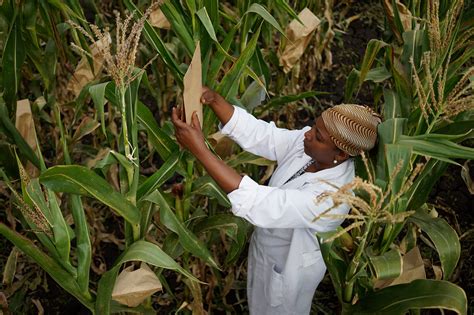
[342, 156]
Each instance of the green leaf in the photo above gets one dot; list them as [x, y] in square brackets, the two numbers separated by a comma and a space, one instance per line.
[80, 180]
[388, 265]
[395, 154]
[206, 186]
[277, 102]
[419, 191]
[12, 133]
[388, 132]
[206, 21]
[162, 143]
[220, 56]
[188, 240]
[179, 26]
[352, 82]
[260, 10]
[371, 52]
[98, 97]
[392, 106]
[418, 294]
[172, 247]
[138, 251]
[60, 228]
[414, 45]
[159, 177]
[83, 243]
[61, 276]
[441, 149]
[13, 56]
[253, 96]
[378, 75]
[444, 238]
[391, 130]
[29, 10]
[236, 228]
[337, 267]
[245, 157]
[232, 77]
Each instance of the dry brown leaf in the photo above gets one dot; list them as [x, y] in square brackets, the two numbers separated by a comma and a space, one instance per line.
[158, 19]
[268, 173]
[38, 305]
[92, 162]
[403, 12]
[222, 145]
[197, 306]
[3, 303]
[466, 176]
[438, 272]
[26, 127]
[132, 287]
[9, 269]
[113, 176]
[87, 126]
[83, 73]
[193, 87]
[298, 36]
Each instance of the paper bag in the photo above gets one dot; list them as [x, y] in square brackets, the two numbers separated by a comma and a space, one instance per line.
[193, 87]
[83, 73]
[413, 268]
[133, 287]
[158, 19]
[26, 127]
[298, 36]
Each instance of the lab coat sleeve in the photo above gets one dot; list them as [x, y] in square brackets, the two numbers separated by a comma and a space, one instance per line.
[274, 207]
[260, 137]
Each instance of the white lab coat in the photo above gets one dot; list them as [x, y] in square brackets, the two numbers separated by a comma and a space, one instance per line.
[285, 264]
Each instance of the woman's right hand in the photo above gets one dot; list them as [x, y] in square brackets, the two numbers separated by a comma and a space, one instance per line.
[218, 104]
[209, 96]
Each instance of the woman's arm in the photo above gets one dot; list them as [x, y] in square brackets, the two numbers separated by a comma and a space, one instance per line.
[251, 134]
[191, 137]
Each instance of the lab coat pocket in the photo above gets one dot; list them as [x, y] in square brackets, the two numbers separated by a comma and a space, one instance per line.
[274, 287]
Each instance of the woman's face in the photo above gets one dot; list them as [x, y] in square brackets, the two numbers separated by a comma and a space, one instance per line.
[319, 146]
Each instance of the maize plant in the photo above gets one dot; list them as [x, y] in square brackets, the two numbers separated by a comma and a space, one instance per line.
[423, 74]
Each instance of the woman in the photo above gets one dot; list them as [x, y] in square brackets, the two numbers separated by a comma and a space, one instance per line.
[284, 264]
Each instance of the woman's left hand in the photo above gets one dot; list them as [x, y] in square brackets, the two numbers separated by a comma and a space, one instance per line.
[188, 136]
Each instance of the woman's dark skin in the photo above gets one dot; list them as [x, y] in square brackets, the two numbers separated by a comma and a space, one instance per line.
[317, 143]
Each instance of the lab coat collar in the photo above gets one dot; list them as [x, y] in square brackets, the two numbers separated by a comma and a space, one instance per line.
[342, 170]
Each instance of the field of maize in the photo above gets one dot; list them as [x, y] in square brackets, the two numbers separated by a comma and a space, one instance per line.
[101, 210]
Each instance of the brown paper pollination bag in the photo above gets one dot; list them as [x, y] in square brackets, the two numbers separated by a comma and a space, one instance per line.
[193, 87]
[298, 36]
[158, 19]
[132, 287]
[83, 73]
[26, 127]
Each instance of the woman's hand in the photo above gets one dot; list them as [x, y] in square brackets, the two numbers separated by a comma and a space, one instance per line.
[191, 138]
[188, 136]
[209, 96]
[218, 104]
